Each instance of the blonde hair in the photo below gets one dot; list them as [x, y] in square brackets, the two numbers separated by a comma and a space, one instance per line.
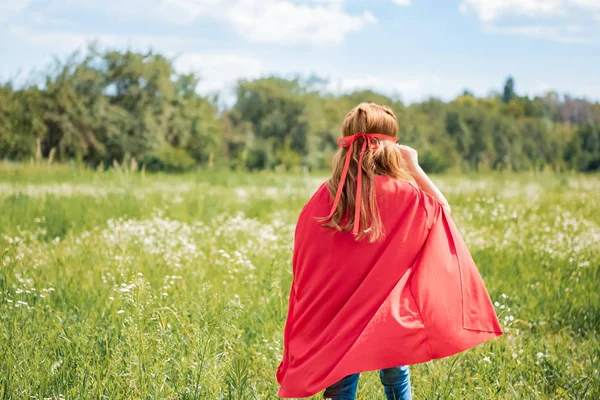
[385, 160]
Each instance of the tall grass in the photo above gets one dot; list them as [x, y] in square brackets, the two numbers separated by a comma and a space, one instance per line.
[118, 285]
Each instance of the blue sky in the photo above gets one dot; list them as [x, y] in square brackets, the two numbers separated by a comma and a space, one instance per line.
[411, 48]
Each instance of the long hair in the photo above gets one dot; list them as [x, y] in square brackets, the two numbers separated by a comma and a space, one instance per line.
[386, 160]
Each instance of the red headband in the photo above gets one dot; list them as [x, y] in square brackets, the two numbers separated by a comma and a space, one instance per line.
[348, 141]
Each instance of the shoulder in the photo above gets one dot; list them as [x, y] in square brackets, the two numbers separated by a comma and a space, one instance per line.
[407, 195]
[399, 195]
[389, 186]
[317, 197]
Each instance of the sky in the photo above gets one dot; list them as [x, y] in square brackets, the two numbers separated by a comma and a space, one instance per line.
[412, 49]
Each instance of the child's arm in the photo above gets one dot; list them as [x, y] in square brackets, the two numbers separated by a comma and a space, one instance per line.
[410, 156]
[428, 186]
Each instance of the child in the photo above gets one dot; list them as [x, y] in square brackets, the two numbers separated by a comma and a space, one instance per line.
[381, 275]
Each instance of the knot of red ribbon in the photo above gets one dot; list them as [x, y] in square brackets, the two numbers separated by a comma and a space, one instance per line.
[348, 141]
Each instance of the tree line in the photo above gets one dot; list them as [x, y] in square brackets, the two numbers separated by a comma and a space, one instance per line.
[101, 107]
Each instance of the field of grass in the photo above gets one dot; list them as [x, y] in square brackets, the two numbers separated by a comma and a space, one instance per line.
[121, 286]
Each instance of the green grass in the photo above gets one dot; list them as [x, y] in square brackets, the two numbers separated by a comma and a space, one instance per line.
[122, 286]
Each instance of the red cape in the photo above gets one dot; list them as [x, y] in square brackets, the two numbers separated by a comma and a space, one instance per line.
[360, 306]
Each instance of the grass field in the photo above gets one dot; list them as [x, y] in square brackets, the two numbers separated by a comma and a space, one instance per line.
[118, 286]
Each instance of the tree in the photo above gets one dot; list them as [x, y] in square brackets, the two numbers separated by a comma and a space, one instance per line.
[276, 111]
[584, 149]
[458, 130]
[509, 90]
[100, 105]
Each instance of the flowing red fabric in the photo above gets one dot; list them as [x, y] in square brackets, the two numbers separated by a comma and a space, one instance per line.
[356, 306]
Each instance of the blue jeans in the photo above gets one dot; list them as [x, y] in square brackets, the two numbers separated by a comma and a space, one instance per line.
[396, 385]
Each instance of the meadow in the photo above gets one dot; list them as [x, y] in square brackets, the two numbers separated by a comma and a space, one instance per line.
[121, 285]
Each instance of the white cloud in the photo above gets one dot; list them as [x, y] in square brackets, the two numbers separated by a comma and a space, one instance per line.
[266, 21]
[218, 71]
[564, 34]
[56, 41]
[564, 21]
[489, 10]
[323, 22]
[174, 11]
[69, 41]
[10, 8]
[187, 11]
[338, 3]
[410, 89]
[278, 21]
[402, 2]
[586, 4]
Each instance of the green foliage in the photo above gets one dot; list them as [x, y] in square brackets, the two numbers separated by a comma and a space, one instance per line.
[583, 151]
[509, 90]
[21, 122]
[433, 163]
[287, 157]
[275, 110]
[169, 159]
[101, 106]
[98, 106]
[257, 159]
